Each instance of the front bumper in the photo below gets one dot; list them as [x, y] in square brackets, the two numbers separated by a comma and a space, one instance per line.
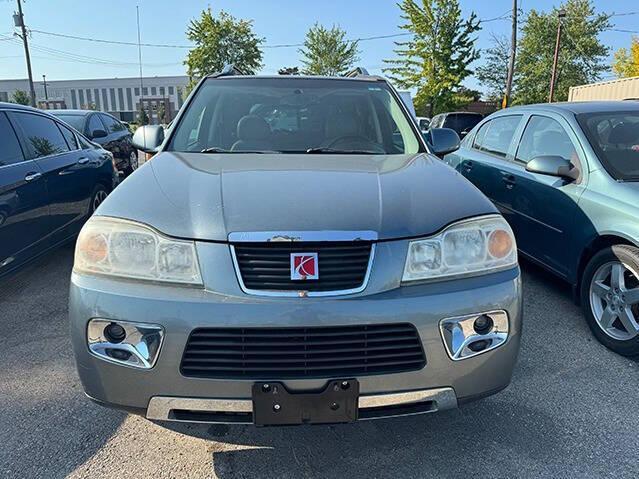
[441, 384]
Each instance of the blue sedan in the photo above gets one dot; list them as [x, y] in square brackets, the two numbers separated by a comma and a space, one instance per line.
[51, 181]
[566, 177]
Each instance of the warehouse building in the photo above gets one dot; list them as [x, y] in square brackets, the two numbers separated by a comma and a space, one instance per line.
[620, 89]
[120, 97]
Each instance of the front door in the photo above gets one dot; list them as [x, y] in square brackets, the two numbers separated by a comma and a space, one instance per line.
[545, 207]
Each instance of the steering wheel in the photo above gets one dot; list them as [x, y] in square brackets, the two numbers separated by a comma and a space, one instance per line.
[358, 141]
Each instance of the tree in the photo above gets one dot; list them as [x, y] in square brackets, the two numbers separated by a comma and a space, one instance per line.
[582, 57]
[161, 112]
[143, 117]
[21, 97]
[493, 72]
[288, 71]
[436, 60]
[220, 41]
[327, 52]
[626, 62]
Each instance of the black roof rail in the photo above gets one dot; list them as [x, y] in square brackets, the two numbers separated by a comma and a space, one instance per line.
[357, 72]
[227, 71]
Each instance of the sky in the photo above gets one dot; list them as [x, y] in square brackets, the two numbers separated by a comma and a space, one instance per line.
[278, 21]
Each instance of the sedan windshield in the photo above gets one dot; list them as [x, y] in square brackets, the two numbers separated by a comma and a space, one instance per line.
[76, 121]
[615, 138]
[294, 115]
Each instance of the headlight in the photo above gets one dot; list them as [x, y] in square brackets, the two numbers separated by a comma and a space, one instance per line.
[114, 247]
[480, 245]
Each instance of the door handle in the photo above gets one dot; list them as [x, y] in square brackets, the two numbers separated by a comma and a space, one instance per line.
[83, 161]
[509, 180]
[467, 165]
[32, 176]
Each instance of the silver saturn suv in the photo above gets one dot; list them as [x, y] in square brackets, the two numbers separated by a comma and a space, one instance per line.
[294, 253]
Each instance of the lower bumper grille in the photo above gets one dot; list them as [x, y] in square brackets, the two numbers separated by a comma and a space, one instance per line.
[297, 353]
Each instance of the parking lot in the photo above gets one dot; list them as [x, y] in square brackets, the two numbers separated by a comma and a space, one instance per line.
[571, 410]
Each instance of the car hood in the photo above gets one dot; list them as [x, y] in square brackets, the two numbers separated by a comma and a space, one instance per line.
[207, 196]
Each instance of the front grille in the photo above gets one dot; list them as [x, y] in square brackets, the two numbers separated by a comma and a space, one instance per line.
[287, 353]
[267, 266]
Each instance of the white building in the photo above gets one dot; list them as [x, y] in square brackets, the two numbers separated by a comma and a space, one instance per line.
[117, 96]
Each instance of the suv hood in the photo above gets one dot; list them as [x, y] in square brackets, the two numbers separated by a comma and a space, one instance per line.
[207, 196]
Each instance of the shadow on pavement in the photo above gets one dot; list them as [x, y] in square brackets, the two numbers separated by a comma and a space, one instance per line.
[47, 426]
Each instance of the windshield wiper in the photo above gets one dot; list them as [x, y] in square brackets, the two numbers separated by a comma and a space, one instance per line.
[215, 149]
[341, 152]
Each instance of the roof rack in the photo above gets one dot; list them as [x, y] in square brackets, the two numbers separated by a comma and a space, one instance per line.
[228, 70]
[357, 72]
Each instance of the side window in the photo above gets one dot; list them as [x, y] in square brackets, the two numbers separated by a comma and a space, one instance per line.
[84, 144]
[495, 136]
[10, 151]
[481, 134]
[112, 124]
[69, 136]
[545, 136]
[42, 135]
[94, 124]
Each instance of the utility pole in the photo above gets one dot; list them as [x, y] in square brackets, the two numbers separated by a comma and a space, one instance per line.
[44, 80]
[19, 22]
[553, 79]
[511, 62]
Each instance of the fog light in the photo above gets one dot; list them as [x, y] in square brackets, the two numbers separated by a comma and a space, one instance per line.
[114, 333]
[468, 336]
[131, 344]
[483, 324]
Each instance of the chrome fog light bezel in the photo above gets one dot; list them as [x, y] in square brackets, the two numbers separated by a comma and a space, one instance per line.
[142, 342]
[459, 333]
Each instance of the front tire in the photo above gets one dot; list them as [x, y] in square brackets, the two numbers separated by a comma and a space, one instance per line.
[97, 197]
[610, 298]
[133, 163]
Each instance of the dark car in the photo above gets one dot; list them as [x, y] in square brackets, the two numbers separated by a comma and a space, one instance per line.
[51, 181]
[107, 131]
[566, 177]
[460, 121]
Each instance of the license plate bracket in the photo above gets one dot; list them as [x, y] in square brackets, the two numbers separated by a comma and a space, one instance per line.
[274, 405]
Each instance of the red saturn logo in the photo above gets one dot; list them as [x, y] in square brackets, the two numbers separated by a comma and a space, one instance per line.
[304, 266]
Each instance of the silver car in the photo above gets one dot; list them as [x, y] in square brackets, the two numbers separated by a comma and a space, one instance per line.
[294, 253]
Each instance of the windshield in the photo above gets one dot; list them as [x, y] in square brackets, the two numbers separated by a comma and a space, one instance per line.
[76, 121]
[287, 115]
[615, 138]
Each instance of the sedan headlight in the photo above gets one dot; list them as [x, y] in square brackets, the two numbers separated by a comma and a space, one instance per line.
[477, 246]
[115, 247]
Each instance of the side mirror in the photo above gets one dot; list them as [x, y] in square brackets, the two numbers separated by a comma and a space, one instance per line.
[443, 140]
[553, 165]
[98, 134]
[148, 138]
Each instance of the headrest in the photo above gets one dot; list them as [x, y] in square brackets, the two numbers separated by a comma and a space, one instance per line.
[251, 127]
[624, 133]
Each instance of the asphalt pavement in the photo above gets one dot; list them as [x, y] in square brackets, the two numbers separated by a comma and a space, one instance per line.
[572, 410]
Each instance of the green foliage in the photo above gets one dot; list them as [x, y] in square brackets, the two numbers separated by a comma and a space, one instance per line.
[493, 72]
[328, 52]
[21, 97]
[161, 113]
[626, 62]
[436, 60]
[581, 56]
[143, 117]
[220, 41]
[288, 71]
